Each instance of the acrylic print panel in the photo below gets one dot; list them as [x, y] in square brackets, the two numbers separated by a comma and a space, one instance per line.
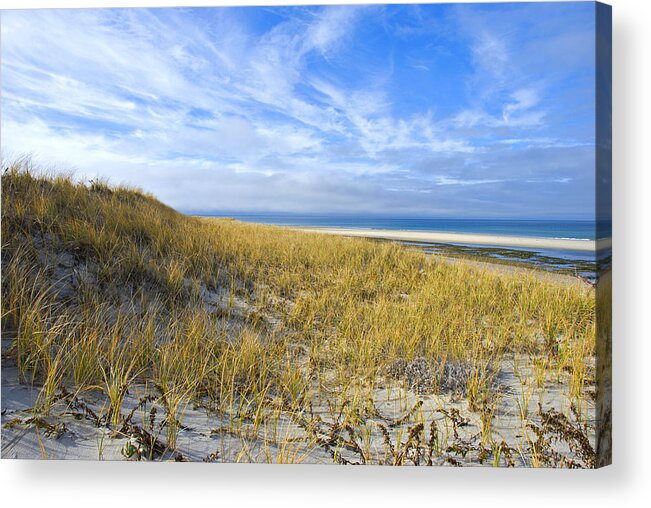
[340, 235]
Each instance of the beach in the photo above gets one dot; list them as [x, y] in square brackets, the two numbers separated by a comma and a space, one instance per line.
[467, 239]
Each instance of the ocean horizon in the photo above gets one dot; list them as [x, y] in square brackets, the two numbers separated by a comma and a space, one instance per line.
[540, 228]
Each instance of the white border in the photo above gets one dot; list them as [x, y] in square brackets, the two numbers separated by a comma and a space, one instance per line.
[626, 483]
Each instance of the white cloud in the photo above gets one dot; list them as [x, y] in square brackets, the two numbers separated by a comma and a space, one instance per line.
[444, 180]
[517, 112]
[490, 53]
[331, 29]
[212, 112]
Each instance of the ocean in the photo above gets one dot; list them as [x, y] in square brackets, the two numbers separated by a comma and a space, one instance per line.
[583, 263]
[575, 229]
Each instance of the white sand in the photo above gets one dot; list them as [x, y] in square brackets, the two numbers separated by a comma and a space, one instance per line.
[462, 238]
[206, 433]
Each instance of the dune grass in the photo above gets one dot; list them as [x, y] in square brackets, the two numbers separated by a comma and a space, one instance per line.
[106, 288]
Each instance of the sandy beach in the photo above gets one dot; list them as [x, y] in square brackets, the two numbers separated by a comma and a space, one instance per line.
[463, 238]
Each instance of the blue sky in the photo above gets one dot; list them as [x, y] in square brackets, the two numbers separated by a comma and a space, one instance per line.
[466, 110]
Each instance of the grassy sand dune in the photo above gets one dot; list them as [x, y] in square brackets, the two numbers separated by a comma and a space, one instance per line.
[130, 330]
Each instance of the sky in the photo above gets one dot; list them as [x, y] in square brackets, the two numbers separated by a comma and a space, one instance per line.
[448, 110]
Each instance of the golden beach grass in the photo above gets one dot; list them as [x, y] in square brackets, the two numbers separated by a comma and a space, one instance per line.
[105, 287]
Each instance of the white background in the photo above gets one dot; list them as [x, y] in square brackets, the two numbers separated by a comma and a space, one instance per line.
[626, 483]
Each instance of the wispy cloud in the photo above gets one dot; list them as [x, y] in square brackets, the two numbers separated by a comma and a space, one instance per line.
[374, 108]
